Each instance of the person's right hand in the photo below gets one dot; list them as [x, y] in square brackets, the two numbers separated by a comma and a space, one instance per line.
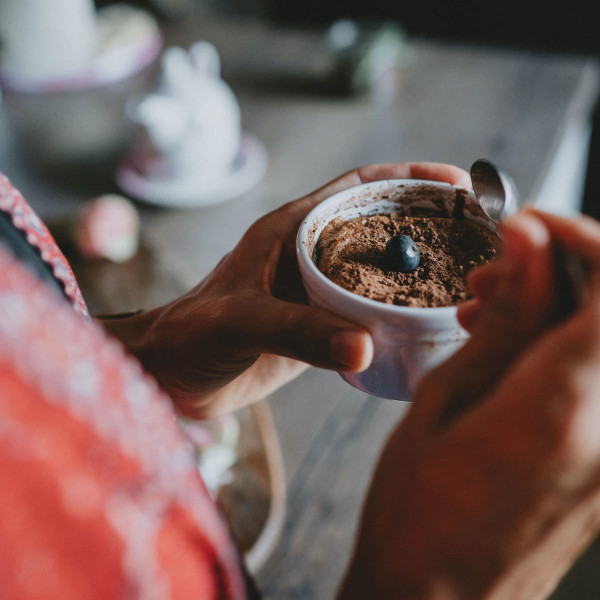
[490, 487]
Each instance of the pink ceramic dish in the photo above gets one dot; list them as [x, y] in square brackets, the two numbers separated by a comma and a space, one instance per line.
[408, 341]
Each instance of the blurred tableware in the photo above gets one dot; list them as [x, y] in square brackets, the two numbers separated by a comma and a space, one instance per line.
[187, 146]
[107, 227]
[67, 45]
[47, 40]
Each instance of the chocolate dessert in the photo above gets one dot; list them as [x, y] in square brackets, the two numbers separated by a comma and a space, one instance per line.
[375, 257]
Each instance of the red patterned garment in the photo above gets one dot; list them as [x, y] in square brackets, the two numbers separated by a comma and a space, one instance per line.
[100, 496]
[26, 220]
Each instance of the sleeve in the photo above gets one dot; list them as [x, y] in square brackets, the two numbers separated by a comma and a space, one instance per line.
[100, 494]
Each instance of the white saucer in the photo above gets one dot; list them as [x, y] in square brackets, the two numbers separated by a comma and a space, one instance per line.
[195, 190]
[129, 39]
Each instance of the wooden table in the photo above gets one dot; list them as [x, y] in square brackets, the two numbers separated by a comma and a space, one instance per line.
[529, 112]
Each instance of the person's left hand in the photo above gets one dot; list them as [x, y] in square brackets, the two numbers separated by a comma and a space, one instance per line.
[490, 485]
[247, 328]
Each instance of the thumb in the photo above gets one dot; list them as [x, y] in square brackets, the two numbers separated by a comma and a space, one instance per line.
[518, 309]
[310, 334]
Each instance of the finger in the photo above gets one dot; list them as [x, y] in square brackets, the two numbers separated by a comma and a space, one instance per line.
[295, 211]
[483, 283]
[263, 377]
[552, 395]
[580, 235]
[366, 174]
[483, 280]
[265, 239]
[577, 236]
[518, 311]
[306, 333]
[579, 243]
[517, 289]
[440, 172]
[469, 313]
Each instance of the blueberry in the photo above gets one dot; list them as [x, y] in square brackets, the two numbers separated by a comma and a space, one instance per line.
[402, 254]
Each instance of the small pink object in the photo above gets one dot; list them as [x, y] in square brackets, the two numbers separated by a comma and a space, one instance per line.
[108, 227]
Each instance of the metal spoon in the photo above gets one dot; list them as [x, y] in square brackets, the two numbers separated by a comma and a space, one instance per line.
[498, 197]
[494, 189]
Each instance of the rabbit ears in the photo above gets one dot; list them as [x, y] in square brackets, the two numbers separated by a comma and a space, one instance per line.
[181, 67]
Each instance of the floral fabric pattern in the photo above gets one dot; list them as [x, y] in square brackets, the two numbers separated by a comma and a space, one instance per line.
[101, 495]
[27, 221]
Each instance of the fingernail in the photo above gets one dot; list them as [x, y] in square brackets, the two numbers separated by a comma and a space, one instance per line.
[352, 350]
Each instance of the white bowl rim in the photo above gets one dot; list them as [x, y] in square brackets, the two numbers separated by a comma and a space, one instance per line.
[306, 261]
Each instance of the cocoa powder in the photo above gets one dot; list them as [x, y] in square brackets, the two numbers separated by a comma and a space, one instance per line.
[351, 252]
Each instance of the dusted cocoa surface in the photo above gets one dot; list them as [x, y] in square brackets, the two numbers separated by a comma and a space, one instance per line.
[351, 252]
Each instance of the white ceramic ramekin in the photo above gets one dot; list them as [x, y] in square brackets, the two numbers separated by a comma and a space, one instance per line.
[408, 341]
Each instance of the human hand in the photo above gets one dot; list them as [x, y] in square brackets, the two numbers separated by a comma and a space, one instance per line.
[247, 328]
[490, 487]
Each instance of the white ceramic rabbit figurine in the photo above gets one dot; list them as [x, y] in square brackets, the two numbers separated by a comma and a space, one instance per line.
[191, 121]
